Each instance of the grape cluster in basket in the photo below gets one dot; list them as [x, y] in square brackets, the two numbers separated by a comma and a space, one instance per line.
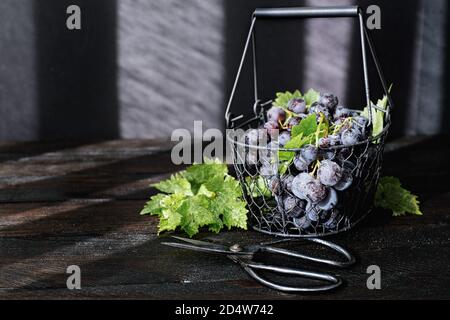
[306, 183]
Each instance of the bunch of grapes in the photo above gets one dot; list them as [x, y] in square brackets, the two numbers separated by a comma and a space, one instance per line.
[308, 191]
[349, 127]
[319, 190]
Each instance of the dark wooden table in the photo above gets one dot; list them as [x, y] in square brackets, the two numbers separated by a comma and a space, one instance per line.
[77, 204]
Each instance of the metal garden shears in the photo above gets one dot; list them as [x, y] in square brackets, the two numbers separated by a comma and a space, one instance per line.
[243, 255]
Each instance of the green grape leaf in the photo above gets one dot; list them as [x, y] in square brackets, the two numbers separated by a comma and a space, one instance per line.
[377, 116]
[282, 98]
[391, 195]
[311, 96]
[257, 187]
[195, 213]
[169, 218]
[303, 133]
[153, 206]
[203, 195]
[306, 126]
[284, 166]
[296, 142]
[177, 183]
[199, 174]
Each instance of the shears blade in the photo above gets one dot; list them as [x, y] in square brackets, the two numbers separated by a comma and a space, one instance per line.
[197, 245]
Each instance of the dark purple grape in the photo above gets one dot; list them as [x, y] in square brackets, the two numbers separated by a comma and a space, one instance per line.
[335, 140]
[315, 191]
[344, 153]
[330, 200]
[324, 142]
[333, 220]
[360, 121]
[345, 182]
[284, 138]
[328, 100]
[329, 141]
[272, 128]
[351, 136]
[297, 105]
[302, 223]
[299, 184]
[300, 164]
[329, 173]
[341, 112]
[276, 114]
[318, 108]
[287, 182]
[308, 153]
[273, 183]
[290, 203]
[327, 154]
[338, 122]
[312, 212]
[347, 175]
[292, 123]
[296, 211]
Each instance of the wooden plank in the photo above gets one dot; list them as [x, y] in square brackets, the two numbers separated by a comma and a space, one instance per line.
[409, 269]
[127, 179]
[116, 248]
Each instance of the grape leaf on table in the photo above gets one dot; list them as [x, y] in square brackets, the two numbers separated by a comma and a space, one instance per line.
[391, 195]
[230, 205]
[202, 195]
[196, 212]
[175, 184]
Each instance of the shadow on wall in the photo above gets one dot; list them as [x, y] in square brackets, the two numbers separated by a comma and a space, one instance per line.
[78, 81]
[446, 81]
[76, 70]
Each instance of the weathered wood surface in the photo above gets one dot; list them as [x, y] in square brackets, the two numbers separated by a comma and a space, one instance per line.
[78, 203]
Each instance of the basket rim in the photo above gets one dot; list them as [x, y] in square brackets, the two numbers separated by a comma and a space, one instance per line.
[338, 147]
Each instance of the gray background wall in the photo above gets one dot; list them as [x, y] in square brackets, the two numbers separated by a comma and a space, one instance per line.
[140, 68]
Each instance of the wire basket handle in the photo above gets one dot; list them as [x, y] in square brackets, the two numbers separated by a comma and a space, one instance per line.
[307, 12]
[310, 12]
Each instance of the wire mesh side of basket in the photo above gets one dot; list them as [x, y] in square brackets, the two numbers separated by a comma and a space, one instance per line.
[268, 212]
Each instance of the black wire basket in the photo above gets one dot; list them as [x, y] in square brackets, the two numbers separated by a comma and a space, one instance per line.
[360, 161]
